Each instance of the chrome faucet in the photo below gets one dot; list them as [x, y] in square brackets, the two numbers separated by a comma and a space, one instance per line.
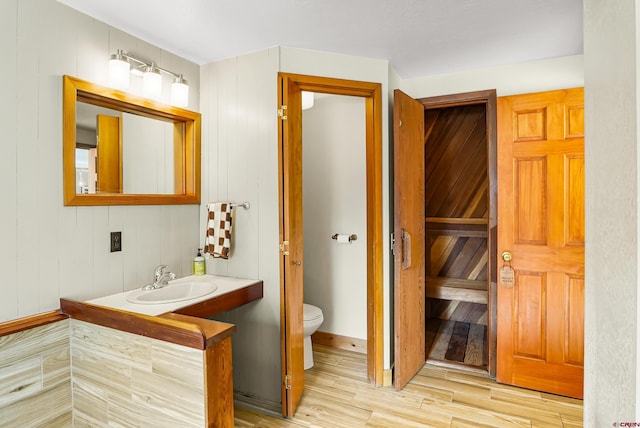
[160, 278]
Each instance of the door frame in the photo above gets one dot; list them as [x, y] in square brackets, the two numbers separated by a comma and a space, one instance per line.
[489, 98]
[372, 94]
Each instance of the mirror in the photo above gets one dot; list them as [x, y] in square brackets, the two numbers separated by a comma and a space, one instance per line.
[119, 149]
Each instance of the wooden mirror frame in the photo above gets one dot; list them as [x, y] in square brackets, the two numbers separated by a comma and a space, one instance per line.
[187, 172]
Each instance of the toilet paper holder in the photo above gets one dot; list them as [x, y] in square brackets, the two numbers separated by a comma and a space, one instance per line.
[352, 237]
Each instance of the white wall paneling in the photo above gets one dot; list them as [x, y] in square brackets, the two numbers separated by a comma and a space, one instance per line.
[8, 165]
[50, 251]
[240, 163]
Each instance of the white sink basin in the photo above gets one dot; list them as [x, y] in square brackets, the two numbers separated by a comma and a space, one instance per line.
[173, 292]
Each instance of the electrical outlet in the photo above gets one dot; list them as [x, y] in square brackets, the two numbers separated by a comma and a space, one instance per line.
[116, 241]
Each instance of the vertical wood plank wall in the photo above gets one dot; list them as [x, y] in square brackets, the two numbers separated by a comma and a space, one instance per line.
[49, 250]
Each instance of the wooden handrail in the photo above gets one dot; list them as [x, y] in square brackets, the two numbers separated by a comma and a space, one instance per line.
[168, 329]
[33, 321]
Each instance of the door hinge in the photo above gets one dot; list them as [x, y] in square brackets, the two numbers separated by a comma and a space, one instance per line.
[286, 382]
[393, 244]
[284, 248]
[281, 112]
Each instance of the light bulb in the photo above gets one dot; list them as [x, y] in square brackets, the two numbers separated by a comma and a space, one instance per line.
[307, 100]
[151, 83]
[118, 71]
[180, 92]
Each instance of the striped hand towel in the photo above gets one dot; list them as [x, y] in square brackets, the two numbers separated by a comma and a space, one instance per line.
[218, 235]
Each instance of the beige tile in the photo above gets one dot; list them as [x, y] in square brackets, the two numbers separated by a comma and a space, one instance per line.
[334, 397]
[35, 341]
[63, 421]
[20, 380]
[122, 347]
[386, 420]
[38, 410]
[550, 418]
[137, 413]
[82, 421]
[321, 408]
[179, 363]
[449, 385]
[539, 403]
[56, 366]
[89, 402]
[463, 423]
[247, 418]
[101, 373]
[429, 392]
[166, 397]
[124, 380]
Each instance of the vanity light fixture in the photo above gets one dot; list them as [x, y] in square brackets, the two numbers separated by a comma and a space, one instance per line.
[122, 64]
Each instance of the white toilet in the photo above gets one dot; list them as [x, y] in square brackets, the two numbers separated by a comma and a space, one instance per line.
[312, 320]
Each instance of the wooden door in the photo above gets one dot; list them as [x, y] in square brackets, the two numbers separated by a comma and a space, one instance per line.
[109, 154]
[292, 246]
[541, 223]
[409, 263]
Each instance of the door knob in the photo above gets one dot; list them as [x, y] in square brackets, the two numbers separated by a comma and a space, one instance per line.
[506, 256]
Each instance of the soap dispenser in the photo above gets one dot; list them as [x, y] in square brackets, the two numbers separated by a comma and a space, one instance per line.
[198, 263]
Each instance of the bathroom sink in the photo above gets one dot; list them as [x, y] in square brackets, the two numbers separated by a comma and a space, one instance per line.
[173, 292]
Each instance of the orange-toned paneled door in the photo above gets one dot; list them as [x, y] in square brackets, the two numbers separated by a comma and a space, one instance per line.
[541, 224]
[109, 154]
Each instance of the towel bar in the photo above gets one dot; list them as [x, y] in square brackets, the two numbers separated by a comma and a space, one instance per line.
[244, 205]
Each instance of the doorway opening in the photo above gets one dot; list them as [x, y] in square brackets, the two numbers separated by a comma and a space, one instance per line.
[459, 171]
[446, 215]
[335, 233]
[292, 225]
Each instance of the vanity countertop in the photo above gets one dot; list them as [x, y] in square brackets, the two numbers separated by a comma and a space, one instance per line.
[227, 286]
[184, 322]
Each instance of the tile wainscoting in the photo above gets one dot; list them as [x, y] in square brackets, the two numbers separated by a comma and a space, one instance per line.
[67, 372]
[35, 373]
[119, 377]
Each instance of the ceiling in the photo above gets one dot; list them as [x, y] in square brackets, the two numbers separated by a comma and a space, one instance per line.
[417, 37]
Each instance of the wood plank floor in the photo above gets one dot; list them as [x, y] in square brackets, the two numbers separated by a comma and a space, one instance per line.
[456, 341]
[337, 394]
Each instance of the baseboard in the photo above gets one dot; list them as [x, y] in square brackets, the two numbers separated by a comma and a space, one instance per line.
[340, 342]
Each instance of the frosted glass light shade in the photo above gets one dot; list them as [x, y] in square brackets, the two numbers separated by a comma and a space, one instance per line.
[151, 84]
[180, 93]
[307, 100]
[118, 73]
